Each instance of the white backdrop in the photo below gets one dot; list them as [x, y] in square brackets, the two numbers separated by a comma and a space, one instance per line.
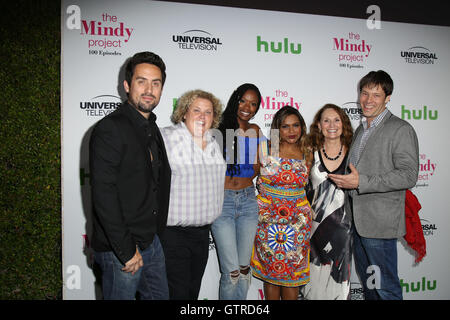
[298, 59]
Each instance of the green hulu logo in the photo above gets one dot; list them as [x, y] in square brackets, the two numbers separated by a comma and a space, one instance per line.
[418, 285]
[278, 47]
[174, 104]
[419, 114]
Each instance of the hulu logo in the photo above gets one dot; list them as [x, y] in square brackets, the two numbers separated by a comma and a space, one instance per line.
[174, 104]
[278, 47]
[423, 114]
[418, 285]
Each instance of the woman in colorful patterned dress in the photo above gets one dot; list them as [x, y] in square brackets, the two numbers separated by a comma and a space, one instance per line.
[281, 250]
[331, 241]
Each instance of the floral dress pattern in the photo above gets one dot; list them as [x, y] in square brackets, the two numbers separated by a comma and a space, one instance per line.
[281, 248]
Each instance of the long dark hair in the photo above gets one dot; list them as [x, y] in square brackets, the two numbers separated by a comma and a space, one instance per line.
[229, 121]
[278, 119]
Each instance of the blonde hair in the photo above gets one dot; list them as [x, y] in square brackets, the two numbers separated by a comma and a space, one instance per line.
[185, 101]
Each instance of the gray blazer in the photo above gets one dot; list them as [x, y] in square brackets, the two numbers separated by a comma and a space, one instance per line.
[387, 167]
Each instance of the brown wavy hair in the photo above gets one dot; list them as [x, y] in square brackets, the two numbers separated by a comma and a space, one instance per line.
[315, 138]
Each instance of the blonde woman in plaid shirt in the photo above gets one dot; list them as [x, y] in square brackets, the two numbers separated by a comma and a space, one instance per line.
[196, 193]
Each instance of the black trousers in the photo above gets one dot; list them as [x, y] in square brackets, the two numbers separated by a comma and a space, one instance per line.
[186, 250]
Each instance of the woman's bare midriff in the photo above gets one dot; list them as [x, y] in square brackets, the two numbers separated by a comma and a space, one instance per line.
[237, 183]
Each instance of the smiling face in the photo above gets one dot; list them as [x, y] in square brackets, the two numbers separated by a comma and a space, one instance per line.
[199, 117]
[248, 105]
[145, 89]
[290, 129]
[373, 101]
[330, 124]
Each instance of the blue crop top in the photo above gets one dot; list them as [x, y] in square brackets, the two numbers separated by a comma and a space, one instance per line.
[246, 157]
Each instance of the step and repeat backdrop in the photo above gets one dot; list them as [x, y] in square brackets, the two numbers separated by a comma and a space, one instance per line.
[302, 60]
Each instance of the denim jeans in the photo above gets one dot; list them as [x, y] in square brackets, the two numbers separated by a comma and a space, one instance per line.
[376, 265]
[234, 233]
[150, 280]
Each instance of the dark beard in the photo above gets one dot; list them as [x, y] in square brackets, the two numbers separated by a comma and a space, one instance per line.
[141, 108]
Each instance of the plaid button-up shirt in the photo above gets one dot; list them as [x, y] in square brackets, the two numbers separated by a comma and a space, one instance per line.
[361, 139]
[198, 178]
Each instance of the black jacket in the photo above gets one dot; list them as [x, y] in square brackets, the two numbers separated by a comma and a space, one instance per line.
[129, 205]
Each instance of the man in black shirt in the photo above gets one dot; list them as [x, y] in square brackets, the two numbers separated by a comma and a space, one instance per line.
[130, 187]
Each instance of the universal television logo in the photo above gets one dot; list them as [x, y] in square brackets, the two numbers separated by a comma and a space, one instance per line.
[356, 291]
[353, 110]
[101, 105]
[428, 228]
[419, 55]
[197, 40]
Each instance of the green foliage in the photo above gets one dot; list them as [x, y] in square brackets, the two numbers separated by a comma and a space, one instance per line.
[30, 197]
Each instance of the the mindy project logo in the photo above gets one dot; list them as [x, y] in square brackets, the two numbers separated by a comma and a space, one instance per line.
[105, 33]
[197, 40]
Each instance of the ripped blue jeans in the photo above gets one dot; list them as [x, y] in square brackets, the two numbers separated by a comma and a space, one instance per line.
[234, 233]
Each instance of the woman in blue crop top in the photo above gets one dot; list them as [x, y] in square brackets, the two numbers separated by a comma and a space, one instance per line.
[234, 230]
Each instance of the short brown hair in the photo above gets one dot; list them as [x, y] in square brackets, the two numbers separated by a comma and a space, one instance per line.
[377, 78]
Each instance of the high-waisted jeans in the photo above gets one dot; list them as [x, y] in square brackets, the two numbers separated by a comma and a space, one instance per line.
[234, 233]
